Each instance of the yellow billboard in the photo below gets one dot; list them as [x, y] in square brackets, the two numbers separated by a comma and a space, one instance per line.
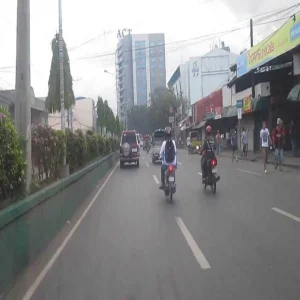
[247, 104]
[284, 39]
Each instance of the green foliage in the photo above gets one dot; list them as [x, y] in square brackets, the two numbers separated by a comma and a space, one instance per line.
[53, 98]
[12, 163]
[48, 151]
[139, 118]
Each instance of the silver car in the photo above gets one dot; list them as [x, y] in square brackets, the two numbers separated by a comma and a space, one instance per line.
[157, 139]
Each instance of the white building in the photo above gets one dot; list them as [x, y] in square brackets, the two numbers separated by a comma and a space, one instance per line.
[83, 113]
[209, 72]
[179, 82]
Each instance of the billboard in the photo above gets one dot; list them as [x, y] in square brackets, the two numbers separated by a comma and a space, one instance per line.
[284, 39]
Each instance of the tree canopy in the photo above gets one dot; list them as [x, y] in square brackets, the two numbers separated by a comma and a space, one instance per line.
[156, 115]
[53, 98]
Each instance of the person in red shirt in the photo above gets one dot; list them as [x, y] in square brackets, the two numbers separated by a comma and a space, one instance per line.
[278, 136]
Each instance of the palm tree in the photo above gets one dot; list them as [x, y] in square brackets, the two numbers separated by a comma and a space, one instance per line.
[53, 98]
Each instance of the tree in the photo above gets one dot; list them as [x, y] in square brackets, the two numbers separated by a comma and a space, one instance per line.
[106, 115]
[53, 99]
[100, 114]
[159, 110]
[138, 119]
[118, 126]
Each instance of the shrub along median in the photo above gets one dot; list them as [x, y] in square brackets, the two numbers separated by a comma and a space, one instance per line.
[26, 227]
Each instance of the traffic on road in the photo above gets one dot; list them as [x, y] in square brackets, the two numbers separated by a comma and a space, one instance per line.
[131, 242]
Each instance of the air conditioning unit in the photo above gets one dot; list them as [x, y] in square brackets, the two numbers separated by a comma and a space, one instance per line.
[262, 89]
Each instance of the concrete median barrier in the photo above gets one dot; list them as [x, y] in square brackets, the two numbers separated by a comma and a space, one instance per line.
[27, 227]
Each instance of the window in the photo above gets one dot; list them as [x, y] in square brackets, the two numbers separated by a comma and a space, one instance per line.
[152, 44]
[153, 59]
[160, 43]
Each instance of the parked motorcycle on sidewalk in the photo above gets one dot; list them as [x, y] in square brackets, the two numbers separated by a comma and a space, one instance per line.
[170, 184]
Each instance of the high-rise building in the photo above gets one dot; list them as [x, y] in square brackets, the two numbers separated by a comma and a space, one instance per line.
[140, 68]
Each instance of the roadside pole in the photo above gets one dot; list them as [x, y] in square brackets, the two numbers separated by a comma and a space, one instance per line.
[24, 94]
[64, 171]
[239, 105]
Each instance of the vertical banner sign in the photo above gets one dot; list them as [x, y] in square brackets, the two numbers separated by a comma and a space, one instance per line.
[239, 113]
[247, 104]
[61, 69]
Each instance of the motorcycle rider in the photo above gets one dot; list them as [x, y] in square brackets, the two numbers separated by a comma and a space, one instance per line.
[147, 141]
[207, 151]
[167, 154]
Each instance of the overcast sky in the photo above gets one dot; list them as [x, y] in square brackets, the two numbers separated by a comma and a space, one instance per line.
[85, 20]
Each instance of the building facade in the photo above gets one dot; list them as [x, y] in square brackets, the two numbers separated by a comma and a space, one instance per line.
[140, 68]
[209, 72]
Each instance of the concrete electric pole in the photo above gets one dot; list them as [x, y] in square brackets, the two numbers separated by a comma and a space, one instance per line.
[24, 94]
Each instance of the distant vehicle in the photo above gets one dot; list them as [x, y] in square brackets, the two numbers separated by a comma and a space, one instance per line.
[158, 137]
[194, 141]
[129, 148]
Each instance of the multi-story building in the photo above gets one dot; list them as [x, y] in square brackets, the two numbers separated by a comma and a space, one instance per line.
[210, 72]
[140, 68]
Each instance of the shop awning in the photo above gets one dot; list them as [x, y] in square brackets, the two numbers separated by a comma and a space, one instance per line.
[294, 93]
[228, 112]
[199, 125]
[261, 103]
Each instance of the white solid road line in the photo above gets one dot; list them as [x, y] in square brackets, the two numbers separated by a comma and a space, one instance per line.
[194, 247]
[200, 173]
[155, 179]
[179, 163]
[280, 211]
[147, 164]
[30, 292]
[249, 172]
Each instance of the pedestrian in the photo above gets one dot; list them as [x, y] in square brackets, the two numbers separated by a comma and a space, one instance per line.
[265, 142]
[244, 138]
[218, 142]
[278, 136]
[234, 145]
[293, 134]
[188, 143]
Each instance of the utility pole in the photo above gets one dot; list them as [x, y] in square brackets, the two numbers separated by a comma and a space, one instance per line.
[24, 94]
[64, 171]
[251, 33]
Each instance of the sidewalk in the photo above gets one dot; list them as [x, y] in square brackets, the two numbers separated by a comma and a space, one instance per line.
[289, 160]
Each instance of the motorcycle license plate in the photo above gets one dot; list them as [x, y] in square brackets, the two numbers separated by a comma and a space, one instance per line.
[171, 179]
[215, 170]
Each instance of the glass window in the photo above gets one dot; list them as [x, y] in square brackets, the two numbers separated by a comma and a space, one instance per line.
[153, 59]
[152, 44]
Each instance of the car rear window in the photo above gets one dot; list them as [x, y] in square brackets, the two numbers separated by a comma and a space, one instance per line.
[158, 138]
[128, 137]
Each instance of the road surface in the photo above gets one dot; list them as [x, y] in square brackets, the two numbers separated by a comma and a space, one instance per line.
[241, 243]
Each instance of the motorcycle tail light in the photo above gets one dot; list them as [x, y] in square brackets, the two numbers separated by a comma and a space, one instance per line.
[171, 168]
[214, 162]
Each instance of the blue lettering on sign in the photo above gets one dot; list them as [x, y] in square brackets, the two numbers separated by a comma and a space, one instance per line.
[295, 32]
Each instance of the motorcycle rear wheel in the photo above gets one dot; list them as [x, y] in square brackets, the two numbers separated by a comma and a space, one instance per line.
[213, 184]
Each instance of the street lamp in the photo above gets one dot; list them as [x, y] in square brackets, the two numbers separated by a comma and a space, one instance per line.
[105, 71]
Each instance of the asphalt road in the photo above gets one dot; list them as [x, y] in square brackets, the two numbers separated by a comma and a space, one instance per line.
[241, 243]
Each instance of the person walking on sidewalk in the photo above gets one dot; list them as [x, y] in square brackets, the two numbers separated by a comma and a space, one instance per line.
[234, 145]
[278, 136]
[218, 142]
[244, 138]
[265, 142]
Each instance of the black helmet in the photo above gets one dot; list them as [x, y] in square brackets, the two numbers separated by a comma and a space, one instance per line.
[168, 132]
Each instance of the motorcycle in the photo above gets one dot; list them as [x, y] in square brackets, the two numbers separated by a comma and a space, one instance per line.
[212, 174]
[170, 185]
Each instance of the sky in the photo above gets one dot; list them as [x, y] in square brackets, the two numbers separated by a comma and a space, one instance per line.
[90, 28]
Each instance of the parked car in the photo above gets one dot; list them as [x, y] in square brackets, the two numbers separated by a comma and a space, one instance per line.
[129, 148]
[158, 137]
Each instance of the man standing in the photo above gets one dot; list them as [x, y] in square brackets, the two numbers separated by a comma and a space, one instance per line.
[188, 142]
[278, 136]
[234, 145]
[245, 142]
[265, 143]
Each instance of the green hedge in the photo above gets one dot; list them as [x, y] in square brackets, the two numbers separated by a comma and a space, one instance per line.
[49, 147]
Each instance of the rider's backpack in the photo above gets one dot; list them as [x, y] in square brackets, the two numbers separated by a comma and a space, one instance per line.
[169, 151]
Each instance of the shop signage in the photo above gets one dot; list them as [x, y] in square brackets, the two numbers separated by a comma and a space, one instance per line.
[247, 104]
[283, 40]
[239, 103]
[218, 113]
[123, 32]
[195, 69]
